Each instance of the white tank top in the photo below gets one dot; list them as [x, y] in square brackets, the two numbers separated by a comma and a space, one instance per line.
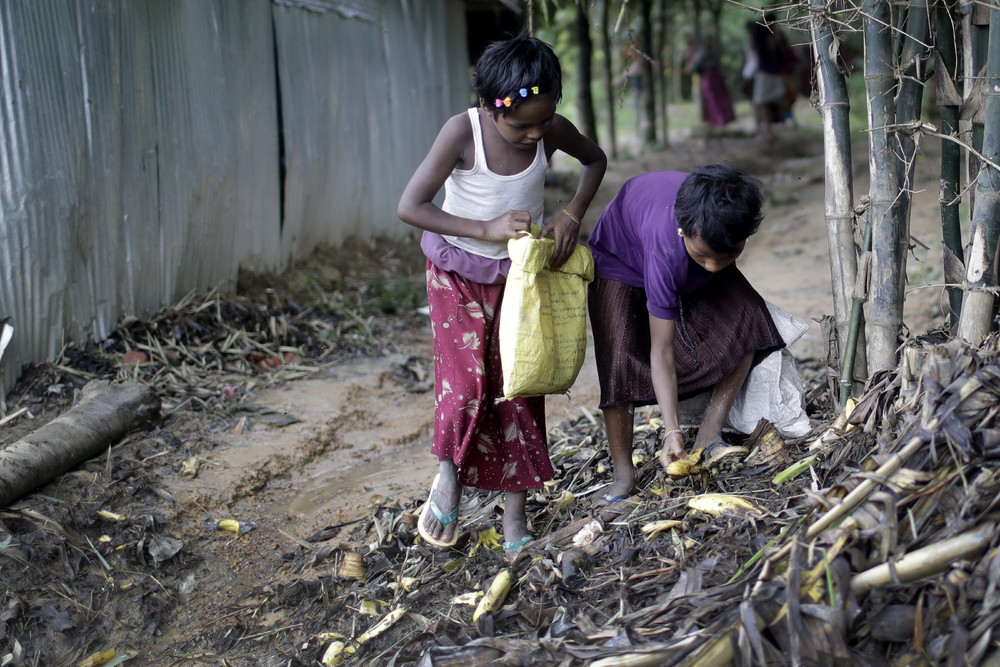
[480, 194]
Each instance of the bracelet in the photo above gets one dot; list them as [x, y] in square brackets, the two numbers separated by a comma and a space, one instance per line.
[572, 217]
[671, 432]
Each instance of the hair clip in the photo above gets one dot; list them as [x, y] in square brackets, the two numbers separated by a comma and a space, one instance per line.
[507, 101]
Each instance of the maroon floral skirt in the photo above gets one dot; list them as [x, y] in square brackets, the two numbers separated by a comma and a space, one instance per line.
[497, 444]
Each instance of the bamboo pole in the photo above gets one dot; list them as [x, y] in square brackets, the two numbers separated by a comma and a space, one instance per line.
[834, 108]
[847, 373]
[977, 306]
[950, 102]
[909, 100]
[885, 305]
[925, 562]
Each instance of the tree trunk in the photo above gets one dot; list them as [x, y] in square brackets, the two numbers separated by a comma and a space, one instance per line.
[834, 108]
[608, 75]
[885, 305]
[949, 101]
[977, 307]
[105, 413]
[585, 59]
[649, 72]
[663, 57]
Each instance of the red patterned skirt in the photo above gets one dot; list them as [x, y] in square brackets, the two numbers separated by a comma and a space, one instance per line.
[497, 444]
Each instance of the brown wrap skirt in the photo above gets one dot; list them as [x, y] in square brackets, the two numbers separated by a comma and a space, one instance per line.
[718, 325]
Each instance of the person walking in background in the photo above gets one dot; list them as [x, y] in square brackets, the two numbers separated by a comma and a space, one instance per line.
[717, 105]
[670, 312]
[769, 92]
[491, 161]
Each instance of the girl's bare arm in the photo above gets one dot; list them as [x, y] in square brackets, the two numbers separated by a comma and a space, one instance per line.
[564, 136]
[664, 374]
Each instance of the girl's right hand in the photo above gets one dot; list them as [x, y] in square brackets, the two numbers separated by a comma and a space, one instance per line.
[508, 226]
[673, 447]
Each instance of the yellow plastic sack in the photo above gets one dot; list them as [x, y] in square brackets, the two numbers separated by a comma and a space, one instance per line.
[543, 318]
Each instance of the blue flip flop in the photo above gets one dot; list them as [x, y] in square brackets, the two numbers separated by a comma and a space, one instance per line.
[445, 519]
[611, 500]
[518, 545]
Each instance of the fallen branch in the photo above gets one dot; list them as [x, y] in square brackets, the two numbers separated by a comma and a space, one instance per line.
[105, 413]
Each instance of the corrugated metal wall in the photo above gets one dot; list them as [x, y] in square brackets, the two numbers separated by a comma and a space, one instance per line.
[152, 147]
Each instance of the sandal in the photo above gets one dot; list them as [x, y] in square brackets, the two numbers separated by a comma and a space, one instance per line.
[512, 549]
[727, 450]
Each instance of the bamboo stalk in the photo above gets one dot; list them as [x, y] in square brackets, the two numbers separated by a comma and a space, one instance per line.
[981, 279]
[834, 108]
[909, 100]
[925, 562]
[885, 304]
[854, 332]
[949, 101]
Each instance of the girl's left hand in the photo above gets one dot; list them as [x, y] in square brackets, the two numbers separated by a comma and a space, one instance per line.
[566, 233]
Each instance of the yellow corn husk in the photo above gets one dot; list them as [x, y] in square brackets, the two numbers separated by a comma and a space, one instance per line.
[335, 653]
[682, 468]
[638, 459]
[495, 595]
[471, 598]
[793, 471]
[717, 504]
[565, 499]
[110, 515]
[840, 423]
[368, 608]
[352, 567]
[654, 528]
[98, 658]
[601, 468]
[387, 622]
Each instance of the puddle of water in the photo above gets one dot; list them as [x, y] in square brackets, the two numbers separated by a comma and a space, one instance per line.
[333, 485]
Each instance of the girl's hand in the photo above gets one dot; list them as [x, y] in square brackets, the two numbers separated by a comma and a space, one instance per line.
[507, 226]
[565, 231]
[673, 447]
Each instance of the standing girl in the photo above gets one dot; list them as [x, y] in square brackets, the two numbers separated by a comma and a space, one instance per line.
[491, 161]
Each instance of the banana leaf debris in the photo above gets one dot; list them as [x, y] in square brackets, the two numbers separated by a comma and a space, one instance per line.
[883, 550]
[872, 540]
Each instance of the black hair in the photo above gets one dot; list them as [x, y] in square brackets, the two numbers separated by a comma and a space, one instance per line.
[721, 205]
[514, 69]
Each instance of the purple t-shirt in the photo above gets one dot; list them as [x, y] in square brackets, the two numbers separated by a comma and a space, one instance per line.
[636, 242]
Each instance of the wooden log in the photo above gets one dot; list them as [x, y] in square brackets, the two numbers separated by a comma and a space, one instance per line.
[104, 414]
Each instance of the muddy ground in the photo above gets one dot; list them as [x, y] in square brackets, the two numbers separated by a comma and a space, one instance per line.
[308, 443]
